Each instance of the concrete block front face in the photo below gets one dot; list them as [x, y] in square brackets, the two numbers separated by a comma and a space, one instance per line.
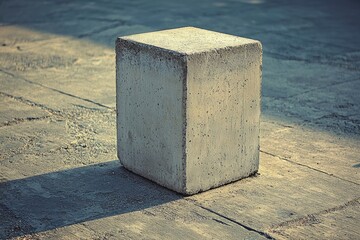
[188, 107]
[150, 112]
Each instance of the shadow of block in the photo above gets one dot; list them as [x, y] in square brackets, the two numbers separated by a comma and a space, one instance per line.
[63, 198]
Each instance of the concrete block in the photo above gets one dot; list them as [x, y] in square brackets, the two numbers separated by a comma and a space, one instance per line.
[188, 107]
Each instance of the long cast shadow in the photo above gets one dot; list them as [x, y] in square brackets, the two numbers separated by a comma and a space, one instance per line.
[62, 198]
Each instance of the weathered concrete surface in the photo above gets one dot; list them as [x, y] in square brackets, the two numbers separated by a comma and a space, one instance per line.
[59, 174]
[188, 107]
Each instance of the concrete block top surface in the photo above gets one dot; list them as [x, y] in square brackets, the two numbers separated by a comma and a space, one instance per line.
[189, 40]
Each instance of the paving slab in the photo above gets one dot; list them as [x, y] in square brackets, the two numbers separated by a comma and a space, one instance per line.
[50, 65]
[111, 196]
[319, 150]
[312, 94]
[273, 198]
[338, 222]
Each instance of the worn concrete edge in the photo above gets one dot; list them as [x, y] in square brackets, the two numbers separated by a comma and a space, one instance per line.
[184, 126]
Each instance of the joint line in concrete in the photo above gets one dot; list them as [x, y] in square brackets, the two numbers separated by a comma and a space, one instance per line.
[303, 165]
[312, 216]
[16, 121]
[264, 234]
[31, 103]
[54, 89]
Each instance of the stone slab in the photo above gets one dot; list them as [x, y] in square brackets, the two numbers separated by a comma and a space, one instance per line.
[283, 192]
[88, 202]
[313, 148]
[340, 222]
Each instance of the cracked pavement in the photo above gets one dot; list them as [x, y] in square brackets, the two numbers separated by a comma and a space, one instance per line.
[59, 174]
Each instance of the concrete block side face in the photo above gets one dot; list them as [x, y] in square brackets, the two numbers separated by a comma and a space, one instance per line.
[150, 112]
[223, 116]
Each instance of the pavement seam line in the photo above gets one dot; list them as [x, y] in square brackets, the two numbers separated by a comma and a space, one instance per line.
[280, 56]
[54, 89]
[297, 221]
[314, 41]
[264, 234]
[303, 165]
[31, 103]
[16, 121]
[102, 29]
[319, 88]
[280, 124]
[267, 236]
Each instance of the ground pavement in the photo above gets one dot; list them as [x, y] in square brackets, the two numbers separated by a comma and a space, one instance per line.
[59, 174]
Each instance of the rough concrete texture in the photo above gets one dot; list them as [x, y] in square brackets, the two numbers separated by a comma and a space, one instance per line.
[188, 107]
[59, 174]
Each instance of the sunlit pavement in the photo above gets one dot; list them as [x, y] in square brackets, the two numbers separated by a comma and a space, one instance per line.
[59, 173]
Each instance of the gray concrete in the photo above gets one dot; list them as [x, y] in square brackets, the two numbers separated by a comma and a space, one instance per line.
[59, 174]
[188, 107]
